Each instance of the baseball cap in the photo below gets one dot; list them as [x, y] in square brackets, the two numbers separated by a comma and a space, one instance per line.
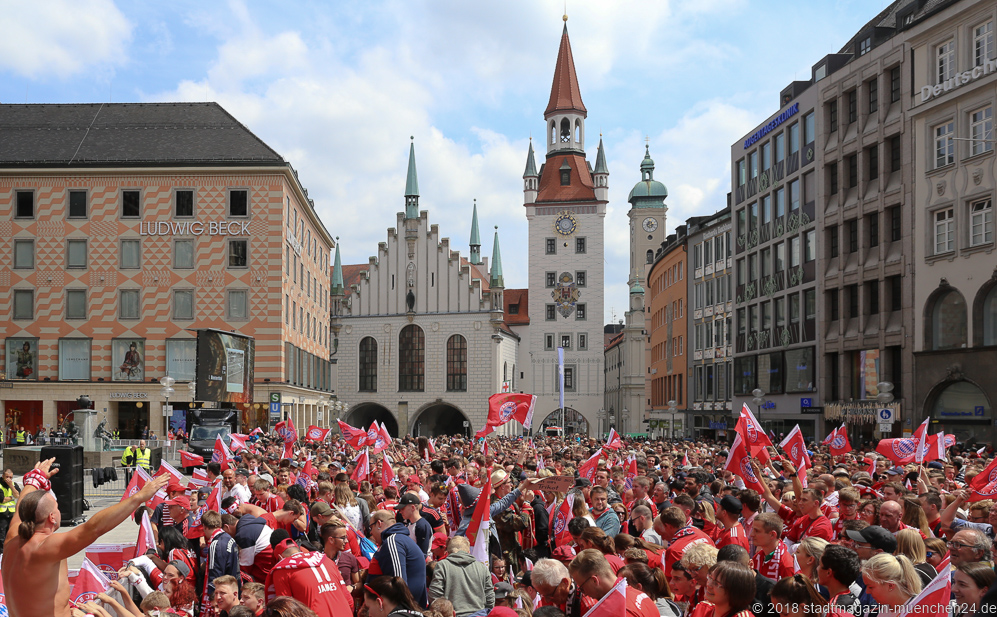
[414, 479]
[439, 540]
[875, 535]
[582, 482]
[896, 471]
[502, 590]
[409, 499]
[180, 500]
[320, 508]
[564, 554]
[175, 487]
[731, 504]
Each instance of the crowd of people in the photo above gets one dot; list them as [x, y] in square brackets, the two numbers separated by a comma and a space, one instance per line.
[322, 529]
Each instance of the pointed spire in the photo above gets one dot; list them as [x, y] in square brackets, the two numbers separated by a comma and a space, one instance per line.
[600, 160]
[531, 165]
[411, 185]
[475, 237]
[497, 280]
[338, 288]
[564, 92]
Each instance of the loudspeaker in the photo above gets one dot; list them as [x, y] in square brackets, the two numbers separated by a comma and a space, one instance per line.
[68, 483]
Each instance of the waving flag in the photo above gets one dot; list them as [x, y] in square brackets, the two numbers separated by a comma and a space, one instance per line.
[868, 493]
[188, 459]
[451, 507]
[685, 459]
[934, 600]
[628, 483]
[796, 450]
[165, 467]
[139, 478]
[315, 433]
[363, 466]
[507, 406]
[221, 455]
[432, 447]
[839, 444]
[899, 450]
[89, 582]
[383, 434]
[933, 448]
[984, 485]
[109, 558]
[356, 437]
[540, 462]
[750, 429]
[238, 442]
[481, 520]
[613, 442]
[561, 518]
[739, 462]
[872, 466]
[372, 433]
[289, 434]
[921, 435]
[256, 431]
[614, 603]
[387, 473]
[588, 468]
[146, 540]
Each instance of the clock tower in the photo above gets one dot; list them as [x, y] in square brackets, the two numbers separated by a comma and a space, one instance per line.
[647, 220]
[565, 202]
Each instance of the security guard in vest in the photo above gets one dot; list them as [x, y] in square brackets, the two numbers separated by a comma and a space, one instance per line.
[140, 456]
[22, 436]
[8, 503]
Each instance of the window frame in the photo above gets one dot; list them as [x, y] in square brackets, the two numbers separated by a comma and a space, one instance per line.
[14, 316]
[581, 313]
[121, 254]
[550, 279]
[173, 304]
[75, 291]
[228, 202]
[229, 242]
[986, 225]
[121, 304]
[944, 140]
[985, 145]
[945, 60]
[367, 365]
[550, 246]
[988, 43]
[193, 202]
[456, 363]
[69, 204]
[121, 204]
[229, 303]
[943, 227]
[581, 246]
[13, 255]
[193, 253]
[17, 204]
[69, 261]
[550, 312]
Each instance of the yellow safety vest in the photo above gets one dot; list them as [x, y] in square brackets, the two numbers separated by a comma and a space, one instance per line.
[20, 437]
[142, 458]
[9, 503]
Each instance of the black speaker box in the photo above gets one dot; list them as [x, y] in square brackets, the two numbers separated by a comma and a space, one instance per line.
[68, 483]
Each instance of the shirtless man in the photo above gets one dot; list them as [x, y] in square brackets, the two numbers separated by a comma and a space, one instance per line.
[35, 575]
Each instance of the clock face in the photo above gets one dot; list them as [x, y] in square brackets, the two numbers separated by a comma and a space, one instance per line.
[565, 224]
[650, 224]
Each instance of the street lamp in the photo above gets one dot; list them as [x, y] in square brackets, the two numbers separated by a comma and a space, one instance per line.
[672, 406]
[167, 391]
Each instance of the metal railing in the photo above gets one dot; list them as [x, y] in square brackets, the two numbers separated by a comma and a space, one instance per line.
[108, 488]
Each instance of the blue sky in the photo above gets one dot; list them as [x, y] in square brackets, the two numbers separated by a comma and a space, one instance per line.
[338, 87]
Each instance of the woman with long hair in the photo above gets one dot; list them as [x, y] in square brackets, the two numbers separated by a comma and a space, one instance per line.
[891, 581]
[344, 500]
[594, 537]
[808, 555]
[730, 591]
[653, 583]
[623, 541]
[869, 511]
[286, 606]
[797, 595]
[915, 517]
[911, 545]
[969, 584]
[934, 552]
[579, 508]
[389, 595]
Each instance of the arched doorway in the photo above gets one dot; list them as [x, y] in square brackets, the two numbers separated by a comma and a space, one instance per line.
[440, 419]
[573, 422]
[364, 414]
[962, 409]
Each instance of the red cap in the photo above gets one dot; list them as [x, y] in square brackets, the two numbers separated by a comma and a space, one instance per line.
[414, 479]
[439, 539]
[564, 553]
[180, 500]
[282, 546]
[175, 487]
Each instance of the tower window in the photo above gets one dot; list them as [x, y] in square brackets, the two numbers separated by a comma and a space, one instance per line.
[565, 131]
[650, 256]
[565, 177]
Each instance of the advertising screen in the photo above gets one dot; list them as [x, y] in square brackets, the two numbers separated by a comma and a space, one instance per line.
[224, 367]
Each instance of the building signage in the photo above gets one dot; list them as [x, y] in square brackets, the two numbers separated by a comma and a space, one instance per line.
[193, 228]
[771, 126]
[134, 395]
[818, 409]
[960, 79]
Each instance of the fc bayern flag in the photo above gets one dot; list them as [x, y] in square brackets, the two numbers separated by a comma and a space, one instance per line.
[387, 473]
[221, 455]
[109, 558]
[613, 604]
[481, 520]
[900, 451]
[613, 442]
[146, 540]
[432, 447]
[188, 459]
[840, 445]
[238, 441]
[315, 433]
[984, 485]
[363, 466]
[750, 429]
[796, 449]
[139, 478]
[165, 467]
[628, 483]
[588, 468]
[921, 435]
[89, 582]
[739, 462]
[934, 600]
[506, 406]
[354, 436]
[287, 432]
[933, 448]
[561, 518]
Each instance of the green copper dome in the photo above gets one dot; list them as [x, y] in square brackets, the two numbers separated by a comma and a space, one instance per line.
[636, 289]
[651, 192]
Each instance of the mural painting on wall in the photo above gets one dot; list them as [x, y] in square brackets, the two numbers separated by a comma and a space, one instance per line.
[565, 294]
[129, 359]
[21, 358]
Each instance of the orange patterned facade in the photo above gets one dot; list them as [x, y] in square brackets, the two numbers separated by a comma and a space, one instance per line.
[264, 274]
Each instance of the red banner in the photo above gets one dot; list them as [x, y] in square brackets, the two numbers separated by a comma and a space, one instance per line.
[507, 406]
[315, 433]
[190, 460]
[356, 437]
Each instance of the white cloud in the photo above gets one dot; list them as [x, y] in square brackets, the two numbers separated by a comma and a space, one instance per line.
[62, 37]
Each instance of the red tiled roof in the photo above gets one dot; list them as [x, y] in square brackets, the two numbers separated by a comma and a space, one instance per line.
[616, 340]
[478, 272]
[581, 188]
[564, 92]
[522, 298]
[352, 275]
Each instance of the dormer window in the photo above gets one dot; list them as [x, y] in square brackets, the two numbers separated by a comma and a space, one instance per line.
[865, 45]
[565, 173]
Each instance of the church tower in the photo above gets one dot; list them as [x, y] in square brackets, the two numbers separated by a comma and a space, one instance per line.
[647, 220]
[565, 205]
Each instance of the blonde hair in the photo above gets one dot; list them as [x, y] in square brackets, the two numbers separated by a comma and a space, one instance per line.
[699, 555]
[814, 547]
[885, 568]
[911, 545]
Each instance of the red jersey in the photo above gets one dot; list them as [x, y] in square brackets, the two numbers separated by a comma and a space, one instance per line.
[270, 504]
[646, 502]
[639, 604]
[681, 541]
[615, 563]
[734, 535]
[806, 527]
[313, 579]
[776, 565]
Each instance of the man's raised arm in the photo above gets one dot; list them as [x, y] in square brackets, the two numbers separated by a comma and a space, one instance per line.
[45, 467]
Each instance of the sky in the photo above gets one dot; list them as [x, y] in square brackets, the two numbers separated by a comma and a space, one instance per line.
[337, 88]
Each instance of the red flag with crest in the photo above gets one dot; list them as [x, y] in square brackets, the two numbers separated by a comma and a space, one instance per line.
[506, 406]
[146, 540]
[188, 459]
[481, 520]
[613, 442]
[363, 466]
[934, 599]
[588, 468]
[221, 454]
[387, 473]
[315, 433]
[356, 437]
[796, 450]
[89, 582]
[750, 429]
[899, 450]
[289, 434]
[613, 604]
[984, 484]
[739, 462]
[561, 518]
[839, 444]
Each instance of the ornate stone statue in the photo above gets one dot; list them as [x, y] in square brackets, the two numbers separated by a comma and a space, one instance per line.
[103, 435]
[72, 433]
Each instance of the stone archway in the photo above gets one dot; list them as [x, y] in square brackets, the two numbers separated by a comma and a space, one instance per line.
[439, 418]
[364, 414]
[574, 423]
[961, 408]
